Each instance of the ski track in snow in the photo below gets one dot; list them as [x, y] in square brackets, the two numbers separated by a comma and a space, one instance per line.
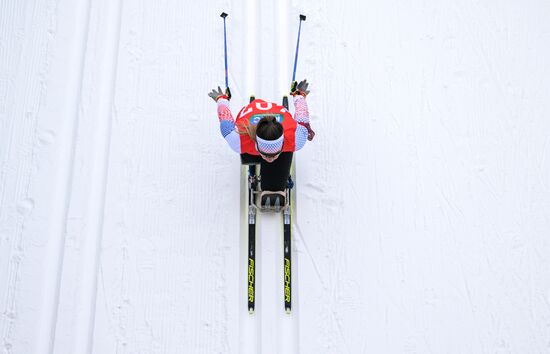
[422, 206]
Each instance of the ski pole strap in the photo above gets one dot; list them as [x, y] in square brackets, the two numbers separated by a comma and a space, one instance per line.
[302, 18]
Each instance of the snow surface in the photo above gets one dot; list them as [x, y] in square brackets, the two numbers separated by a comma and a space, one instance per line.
[423, 204]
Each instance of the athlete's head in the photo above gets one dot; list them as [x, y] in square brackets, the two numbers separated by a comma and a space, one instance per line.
[269, 138]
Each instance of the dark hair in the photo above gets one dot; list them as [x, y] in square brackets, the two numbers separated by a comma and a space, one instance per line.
[267, 128]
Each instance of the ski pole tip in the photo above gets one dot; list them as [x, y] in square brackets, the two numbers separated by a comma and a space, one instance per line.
[224, 15]
[302, 17]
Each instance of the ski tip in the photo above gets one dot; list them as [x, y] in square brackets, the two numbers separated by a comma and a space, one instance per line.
[250, 311]
[288, 311]
[224, 15]
[302, 17]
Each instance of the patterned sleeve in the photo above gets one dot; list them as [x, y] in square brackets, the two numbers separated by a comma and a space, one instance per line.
[227, 125]
[301, 137]
[301, 115]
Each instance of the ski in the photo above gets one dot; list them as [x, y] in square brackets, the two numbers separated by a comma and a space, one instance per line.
[287, 251]
[251, 279]
[287, 247]
[251, 239]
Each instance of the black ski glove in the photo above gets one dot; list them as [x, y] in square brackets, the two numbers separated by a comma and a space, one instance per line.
[217, 94]
[299, 88]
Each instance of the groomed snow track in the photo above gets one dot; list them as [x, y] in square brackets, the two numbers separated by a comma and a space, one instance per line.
[422, 206]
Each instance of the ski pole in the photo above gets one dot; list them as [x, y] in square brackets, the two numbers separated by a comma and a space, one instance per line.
[224, 15]
[302, 18]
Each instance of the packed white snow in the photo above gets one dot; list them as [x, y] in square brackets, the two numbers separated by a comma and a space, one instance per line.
[422, 206]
